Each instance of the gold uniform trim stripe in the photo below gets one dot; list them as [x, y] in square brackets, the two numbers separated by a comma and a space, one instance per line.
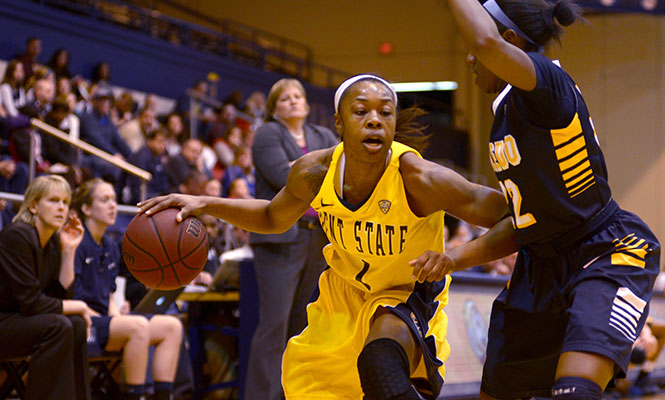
[571, 162]
[570, 148]
[593, 182]
[563, 135]
[573, 183]
[579, 185]
[573, 173]
[627, 259]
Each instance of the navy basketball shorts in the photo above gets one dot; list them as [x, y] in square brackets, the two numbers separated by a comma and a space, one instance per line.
[591, 296]
[99, 335]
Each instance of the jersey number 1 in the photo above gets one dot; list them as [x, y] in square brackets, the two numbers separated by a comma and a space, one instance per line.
[513, 196]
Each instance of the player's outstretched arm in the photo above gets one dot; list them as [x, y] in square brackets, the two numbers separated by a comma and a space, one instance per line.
[431, 188]
[494, 244]
[255, 215]
[484, 41]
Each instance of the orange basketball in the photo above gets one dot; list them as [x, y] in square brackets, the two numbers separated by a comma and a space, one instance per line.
[162, 253]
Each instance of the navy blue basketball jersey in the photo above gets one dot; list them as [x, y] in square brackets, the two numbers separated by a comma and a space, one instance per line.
[544, 150]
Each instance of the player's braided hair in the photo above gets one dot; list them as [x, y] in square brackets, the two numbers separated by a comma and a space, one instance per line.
[541, 20]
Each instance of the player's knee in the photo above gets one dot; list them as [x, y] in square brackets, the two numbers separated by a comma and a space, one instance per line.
[139, 328]
[60, 328]
[383, 367]
[576, 388]
[171, 326]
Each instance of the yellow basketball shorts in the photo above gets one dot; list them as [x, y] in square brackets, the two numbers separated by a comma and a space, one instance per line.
[320, 363]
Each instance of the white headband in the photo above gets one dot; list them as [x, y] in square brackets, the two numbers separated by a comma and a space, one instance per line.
[347, 83]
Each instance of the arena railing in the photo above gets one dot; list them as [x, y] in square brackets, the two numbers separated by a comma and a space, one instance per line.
[145, 176]
[229, 39]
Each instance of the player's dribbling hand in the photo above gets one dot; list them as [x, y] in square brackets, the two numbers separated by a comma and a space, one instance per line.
[188, 205]
[431, 266]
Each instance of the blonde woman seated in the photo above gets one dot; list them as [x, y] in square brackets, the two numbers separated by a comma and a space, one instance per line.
[96, 267]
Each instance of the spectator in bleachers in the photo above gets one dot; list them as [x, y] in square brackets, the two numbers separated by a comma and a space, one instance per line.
[150, 102]
[194, 183]
[135, 131]
[175, 134]
[239, 189]
[101, 74]
[225, 148]
[62, 157]
[29, 58]
[44, 91]
[152, 158]
[43, 94]
[201, 112]
[213, 188]
[124, 109]
[98, 129]
[13, 175]
[219, 127]
[255, 107]
[96, 266]
[40, 72]
[242, 168]
[63, 86]
[59, 63]
[180, 165]
[12, 93]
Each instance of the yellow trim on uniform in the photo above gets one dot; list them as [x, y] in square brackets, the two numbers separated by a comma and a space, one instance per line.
[624, 259]
[565, 134]
[576, 159]
[579, 181]
[572, 195]
[570, 148]
[570, 174]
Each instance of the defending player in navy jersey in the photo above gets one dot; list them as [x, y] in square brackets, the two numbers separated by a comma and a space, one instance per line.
[580, 291]
[378, 327]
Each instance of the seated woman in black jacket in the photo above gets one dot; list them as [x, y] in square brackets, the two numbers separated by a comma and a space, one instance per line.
[36, 280]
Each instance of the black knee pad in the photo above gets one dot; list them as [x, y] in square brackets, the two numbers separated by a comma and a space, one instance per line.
[576, 388]
[383, 367]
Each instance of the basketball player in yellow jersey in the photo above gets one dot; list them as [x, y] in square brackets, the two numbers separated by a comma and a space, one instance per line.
[377, 328]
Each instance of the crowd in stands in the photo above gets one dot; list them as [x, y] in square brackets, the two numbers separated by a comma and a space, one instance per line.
[112, 120]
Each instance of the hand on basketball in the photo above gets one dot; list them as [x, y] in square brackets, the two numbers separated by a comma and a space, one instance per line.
[432, 266]
[188, 205]
[71, 233]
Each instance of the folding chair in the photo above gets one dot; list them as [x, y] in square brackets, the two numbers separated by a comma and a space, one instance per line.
[102, 384]
[13, 384]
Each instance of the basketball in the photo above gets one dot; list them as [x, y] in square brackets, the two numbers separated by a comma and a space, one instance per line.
[162, 253]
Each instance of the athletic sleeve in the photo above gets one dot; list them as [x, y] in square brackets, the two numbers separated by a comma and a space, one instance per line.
[18, 258]
[552, 103]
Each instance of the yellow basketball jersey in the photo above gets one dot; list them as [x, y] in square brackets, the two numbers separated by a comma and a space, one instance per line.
[371, 247]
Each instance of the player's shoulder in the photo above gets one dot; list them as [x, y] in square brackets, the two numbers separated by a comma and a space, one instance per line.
[413, 166]
[318, 158]
[309, 171]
